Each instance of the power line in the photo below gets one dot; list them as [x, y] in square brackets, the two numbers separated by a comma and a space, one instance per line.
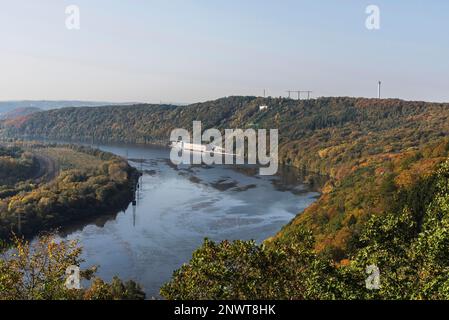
[299, 92]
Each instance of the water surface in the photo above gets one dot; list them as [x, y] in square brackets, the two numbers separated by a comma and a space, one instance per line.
[177, 207]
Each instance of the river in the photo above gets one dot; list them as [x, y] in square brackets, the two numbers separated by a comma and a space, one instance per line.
[176, 208]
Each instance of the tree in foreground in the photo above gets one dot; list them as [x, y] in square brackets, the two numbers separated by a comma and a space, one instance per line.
[409, 247]
[245, 270]
[37, 271]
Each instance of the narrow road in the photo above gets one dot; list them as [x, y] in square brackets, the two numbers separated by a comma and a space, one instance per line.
[48, 170]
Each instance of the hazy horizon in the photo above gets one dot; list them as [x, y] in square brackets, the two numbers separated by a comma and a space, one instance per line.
[193, 51]
[105, 103]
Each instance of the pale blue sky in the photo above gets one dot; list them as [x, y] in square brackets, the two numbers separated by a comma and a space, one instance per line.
[187, 51]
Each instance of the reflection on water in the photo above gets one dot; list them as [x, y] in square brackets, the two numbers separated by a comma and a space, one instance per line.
[176, 208]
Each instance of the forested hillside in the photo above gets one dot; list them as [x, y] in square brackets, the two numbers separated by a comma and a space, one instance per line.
[15, 165]
[20, 112]
[380, 156]
[320, 122]
[45, 187]
[7, 106]
[409, 246]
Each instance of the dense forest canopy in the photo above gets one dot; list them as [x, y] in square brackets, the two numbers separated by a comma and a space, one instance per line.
[408, 245]
[15, 165]
[47, 186]
[351, 117]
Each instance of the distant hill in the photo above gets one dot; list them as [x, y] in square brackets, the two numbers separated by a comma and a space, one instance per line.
[6, 106]
[20, 112]
[319, 119]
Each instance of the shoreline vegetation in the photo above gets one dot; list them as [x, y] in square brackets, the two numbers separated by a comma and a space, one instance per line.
[38, 271]
[43, 187]
[385, 202]
[65, 184]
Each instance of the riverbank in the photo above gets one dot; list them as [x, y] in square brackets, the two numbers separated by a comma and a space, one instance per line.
[87, 183]
[176, 208]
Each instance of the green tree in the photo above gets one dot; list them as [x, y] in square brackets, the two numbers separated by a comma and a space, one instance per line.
[37, 271]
